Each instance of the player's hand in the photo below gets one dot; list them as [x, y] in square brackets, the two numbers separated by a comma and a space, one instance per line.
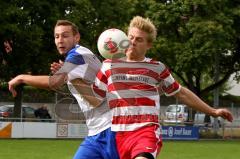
[55, 66]
[14, 82]
[224, 113]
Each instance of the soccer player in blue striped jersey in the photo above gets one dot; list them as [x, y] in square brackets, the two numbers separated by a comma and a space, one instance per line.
[80, 63]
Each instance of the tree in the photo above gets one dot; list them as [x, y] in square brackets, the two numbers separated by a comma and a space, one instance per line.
[29, 25]
[196, 39]
[191, 33]
[25, 24]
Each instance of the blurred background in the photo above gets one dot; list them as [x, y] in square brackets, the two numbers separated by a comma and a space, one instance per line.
[198, 40]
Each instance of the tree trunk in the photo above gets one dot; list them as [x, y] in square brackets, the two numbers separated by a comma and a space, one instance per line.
[18, 102]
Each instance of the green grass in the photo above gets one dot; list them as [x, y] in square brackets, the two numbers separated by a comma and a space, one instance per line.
[65, 149]
[200, 150]
[38, 149]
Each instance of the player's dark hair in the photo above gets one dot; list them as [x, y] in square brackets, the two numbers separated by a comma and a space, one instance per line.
[68, 23]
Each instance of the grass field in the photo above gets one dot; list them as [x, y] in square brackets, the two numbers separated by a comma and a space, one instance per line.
[65, 149]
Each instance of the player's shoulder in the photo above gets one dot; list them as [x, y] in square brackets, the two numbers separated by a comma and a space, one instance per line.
[107, 61]
[79, 50]
[157, 64]
[117, 60]
[82, 53]
[153, 61]
[87, 54]
[83, 50]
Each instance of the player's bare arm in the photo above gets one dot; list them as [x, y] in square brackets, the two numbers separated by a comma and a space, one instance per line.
[35, 81]
[41, 81]
[86, 91]
[57, 81]
[190, 99]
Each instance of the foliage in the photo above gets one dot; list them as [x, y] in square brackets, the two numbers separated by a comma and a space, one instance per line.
[29, 24]
[193, 36]
[235, 100]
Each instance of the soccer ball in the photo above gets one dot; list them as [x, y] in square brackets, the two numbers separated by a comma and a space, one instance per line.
[113, 43]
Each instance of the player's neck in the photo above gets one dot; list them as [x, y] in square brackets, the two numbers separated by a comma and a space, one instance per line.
[135, 59]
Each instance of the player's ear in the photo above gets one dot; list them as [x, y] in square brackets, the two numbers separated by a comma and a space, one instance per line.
[77, 38]
[149, 45]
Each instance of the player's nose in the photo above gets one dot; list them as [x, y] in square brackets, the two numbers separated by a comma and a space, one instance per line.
[132, 42]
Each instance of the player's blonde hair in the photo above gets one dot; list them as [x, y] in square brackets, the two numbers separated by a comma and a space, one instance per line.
[146, 25]
[68, 23]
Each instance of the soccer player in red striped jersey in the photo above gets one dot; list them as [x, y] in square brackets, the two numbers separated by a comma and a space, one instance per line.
[132, 86]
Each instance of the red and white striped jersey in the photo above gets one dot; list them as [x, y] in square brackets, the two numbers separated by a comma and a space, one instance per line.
[132, 90]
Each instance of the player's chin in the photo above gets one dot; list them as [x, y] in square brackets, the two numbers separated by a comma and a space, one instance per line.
[62, 52]
[129, 51]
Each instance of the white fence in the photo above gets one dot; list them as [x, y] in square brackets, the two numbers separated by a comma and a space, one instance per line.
[42, 130]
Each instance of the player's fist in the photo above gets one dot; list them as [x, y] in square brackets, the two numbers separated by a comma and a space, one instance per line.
[224, 113]
[55, 66]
